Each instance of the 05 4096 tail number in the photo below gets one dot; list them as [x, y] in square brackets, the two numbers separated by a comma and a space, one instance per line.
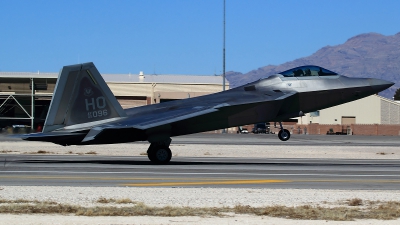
[95, 108]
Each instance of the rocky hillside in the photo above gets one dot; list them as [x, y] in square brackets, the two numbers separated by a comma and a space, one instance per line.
[366, 55]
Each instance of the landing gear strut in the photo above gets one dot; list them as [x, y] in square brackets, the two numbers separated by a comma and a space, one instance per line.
[159, 152]
[283, 134]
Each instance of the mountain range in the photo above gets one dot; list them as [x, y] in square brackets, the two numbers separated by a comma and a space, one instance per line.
[370, 55]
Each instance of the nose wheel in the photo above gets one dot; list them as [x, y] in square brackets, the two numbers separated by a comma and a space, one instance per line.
[283, 134]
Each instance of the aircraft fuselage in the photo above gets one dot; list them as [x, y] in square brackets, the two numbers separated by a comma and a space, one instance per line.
[84, 111]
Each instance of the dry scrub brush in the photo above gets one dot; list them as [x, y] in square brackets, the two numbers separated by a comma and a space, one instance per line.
[371, 210]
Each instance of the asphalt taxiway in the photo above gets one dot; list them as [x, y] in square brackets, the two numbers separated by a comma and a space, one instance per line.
[272, 139]
[296, 140]
[319, 173]
[200, 172]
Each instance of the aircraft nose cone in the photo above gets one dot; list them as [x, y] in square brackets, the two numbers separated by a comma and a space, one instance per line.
[379, 85]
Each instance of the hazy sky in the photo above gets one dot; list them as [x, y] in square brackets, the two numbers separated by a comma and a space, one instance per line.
[180, 36]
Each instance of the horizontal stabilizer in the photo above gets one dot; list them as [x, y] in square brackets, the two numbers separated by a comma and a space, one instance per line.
[56, 137]
[92, 134]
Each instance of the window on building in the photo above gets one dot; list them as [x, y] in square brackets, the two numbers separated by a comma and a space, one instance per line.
[314, 114]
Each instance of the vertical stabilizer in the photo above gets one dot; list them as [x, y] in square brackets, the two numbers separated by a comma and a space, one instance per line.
[81, 96]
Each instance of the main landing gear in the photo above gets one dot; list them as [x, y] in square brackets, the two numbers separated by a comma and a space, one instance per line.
[159, 153]
[283, 134]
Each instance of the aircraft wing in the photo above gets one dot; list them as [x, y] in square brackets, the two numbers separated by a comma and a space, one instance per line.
[161, 118]
[155, 119]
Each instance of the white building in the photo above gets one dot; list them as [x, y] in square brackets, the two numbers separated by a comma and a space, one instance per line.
[373, 109]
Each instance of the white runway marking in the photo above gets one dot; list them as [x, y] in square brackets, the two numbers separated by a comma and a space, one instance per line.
[253, 174]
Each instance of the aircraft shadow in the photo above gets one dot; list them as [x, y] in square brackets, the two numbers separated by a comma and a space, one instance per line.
[191, 163]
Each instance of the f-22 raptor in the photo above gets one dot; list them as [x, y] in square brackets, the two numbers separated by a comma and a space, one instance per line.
[83, 110]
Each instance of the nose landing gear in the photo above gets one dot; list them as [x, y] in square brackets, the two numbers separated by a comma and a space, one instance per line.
[283, 134]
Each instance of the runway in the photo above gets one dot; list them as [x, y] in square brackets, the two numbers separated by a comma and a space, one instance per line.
[295, 140]
[272, 139]
[237, 172]
[36, 170]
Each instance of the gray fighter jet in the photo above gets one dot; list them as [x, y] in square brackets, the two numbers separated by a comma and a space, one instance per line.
[84, 111]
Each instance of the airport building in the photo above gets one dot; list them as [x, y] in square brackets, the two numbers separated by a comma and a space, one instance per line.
[131, 90]
[373, 109]
[373, 115]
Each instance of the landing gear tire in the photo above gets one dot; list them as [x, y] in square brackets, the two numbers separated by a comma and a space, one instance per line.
[159, 155]
[284, 135]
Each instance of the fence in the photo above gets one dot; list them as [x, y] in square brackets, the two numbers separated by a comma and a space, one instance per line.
[354, 129]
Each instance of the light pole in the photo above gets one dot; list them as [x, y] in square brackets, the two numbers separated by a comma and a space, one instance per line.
[223, 55]
[223, 60]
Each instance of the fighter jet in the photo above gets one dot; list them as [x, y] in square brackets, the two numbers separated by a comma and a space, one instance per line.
[83, 110]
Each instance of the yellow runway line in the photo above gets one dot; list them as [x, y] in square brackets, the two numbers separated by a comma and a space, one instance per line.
[222, 182]
[351, 181]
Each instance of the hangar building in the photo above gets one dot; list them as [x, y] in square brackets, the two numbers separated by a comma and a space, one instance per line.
[373, 109]
[373, 115]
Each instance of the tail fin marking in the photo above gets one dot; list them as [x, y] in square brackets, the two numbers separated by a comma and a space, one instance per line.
[81, 96]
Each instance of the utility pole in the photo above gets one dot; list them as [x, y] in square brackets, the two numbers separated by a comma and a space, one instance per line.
[223, 62]
[223, 55]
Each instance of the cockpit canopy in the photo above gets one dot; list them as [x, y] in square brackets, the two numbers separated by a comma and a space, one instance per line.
[304, 71]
